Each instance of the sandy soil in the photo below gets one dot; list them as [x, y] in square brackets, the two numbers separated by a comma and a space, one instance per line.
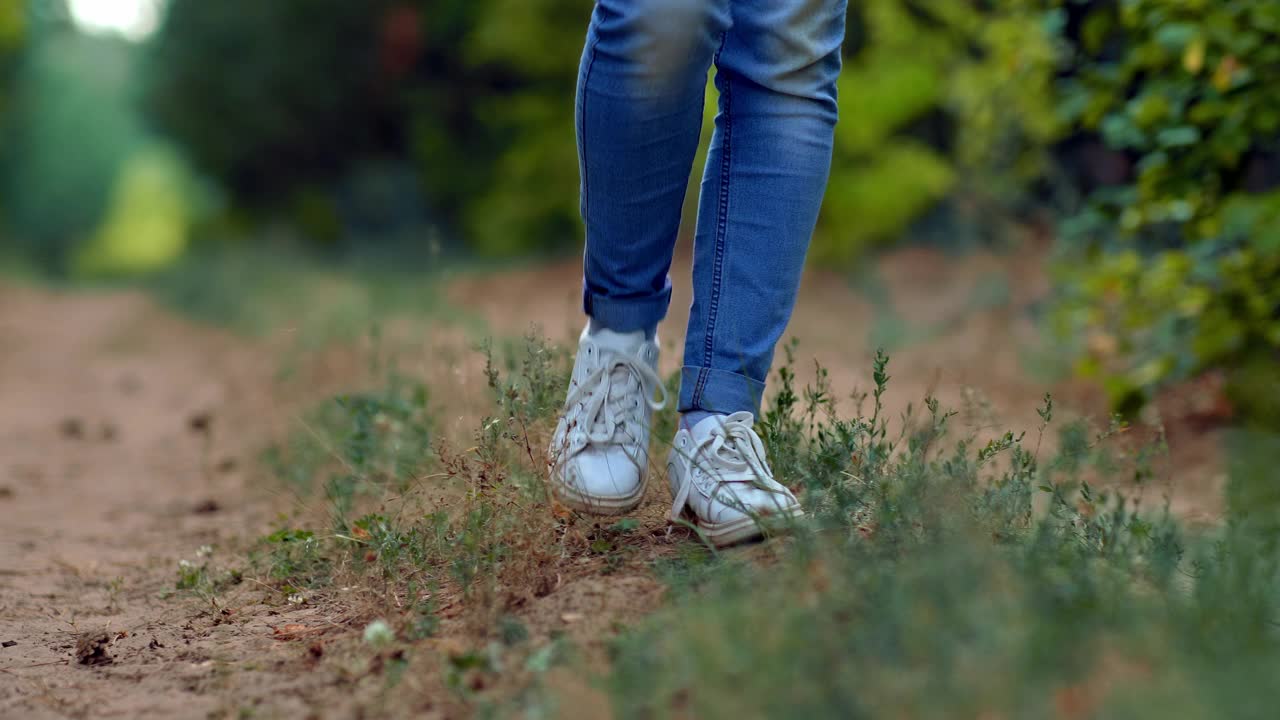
[128, 440]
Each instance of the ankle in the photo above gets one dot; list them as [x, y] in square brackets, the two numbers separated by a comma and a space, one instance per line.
[594, 326]
[693, 417]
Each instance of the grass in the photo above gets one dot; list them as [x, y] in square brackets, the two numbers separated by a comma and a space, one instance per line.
[940, 573]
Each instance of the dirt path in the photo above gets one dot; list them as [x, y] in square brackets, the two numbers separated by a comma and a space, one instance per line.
[128, 440]
[123, 443]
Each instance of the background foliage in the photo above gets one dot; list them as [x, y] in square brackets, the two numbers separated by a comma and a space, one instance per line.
[939, 99]
[1175, 266]
[13, 32]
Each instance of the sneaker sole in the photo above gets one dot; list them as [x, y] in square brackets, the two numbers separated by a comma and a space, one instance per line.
[596, 505]
[747, 528]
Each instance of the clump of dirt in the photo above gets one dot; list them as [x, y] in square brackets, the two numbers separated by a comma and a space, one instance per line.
[91, 649]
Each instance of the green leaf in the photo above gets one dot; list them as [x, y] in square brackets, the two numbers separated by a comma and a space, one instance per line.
[1176, 36]
[1181, 136]
[1120, 132]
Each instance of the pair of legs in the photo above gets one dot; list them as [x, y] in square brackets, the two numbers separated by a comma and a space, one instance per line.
[639, 112]
[640, 99]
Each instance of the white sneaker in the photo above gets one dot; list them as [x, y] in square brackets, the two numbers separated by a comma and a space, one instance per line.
[600, 450]
[718, 471]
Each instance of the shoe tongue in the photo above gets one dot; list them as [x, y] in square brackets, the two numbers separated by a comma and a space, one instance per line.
[625, 344]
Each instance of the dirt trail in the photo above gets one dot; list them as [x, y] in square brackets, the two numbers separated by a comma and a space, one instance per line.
[128, 437]
[123, 439]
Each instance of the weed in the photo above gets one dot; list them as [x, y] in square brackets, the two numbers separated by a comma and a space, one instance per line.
[201, 579]
[940, 572]
[418, 521]
[931, 587]
[293, 558]
[115, 588]
[363, 443]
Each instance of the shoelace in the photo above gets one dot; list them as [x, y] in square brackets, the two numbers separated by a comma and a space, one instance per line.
[604, 411]
[737, 455]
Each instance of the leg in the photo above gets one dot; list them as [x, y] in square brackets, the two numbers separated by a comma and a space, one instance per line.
[764, 181]
[639, 110]
[765, 178]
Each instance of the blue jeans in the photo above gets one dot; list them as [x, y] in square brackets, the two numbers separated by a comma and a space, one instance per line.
[639, 112]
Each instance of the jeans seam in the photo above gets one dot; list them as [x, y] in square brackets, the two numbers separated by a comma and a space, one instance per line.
[722, 215]
[582, 120]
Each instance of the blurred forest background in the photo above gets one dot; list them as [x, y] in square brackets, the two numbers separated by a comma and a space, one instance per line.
[1144, 135]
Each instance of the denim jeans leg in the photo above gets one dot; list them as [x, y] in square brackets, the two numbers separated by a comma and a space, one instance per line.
[639, 112]
[761, 192]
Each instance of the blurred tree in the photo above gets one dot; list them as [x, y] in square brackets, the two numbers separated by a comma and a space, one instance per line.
[13, 31]
[303, 106]
[71, 128]
[1174, 266]
[145, 223]
[270, 96]
[938, 97]
[532, 198]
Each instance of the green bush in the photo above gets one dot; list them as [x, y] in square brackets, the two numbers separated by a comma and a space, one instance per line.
[1177, 268]
[269, 97]
[982, 74]
[530, 198]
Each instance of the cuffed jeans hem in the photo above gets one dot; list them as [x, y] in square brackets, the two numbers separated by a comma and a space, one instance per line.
[720, 391]
[627, 315]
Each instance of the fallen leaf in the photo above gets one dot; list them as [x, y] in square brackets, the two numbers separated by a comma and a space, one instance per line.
[571, 617]
[291, 630]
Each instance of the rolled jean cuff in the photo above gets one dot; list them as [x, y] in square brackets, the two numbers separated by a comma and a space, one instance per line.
[720, 391]
[627, 315]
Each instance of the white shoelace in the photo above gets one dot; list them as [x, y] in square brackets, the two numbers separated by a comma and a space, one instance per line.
[735, 452]
[606, 400]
